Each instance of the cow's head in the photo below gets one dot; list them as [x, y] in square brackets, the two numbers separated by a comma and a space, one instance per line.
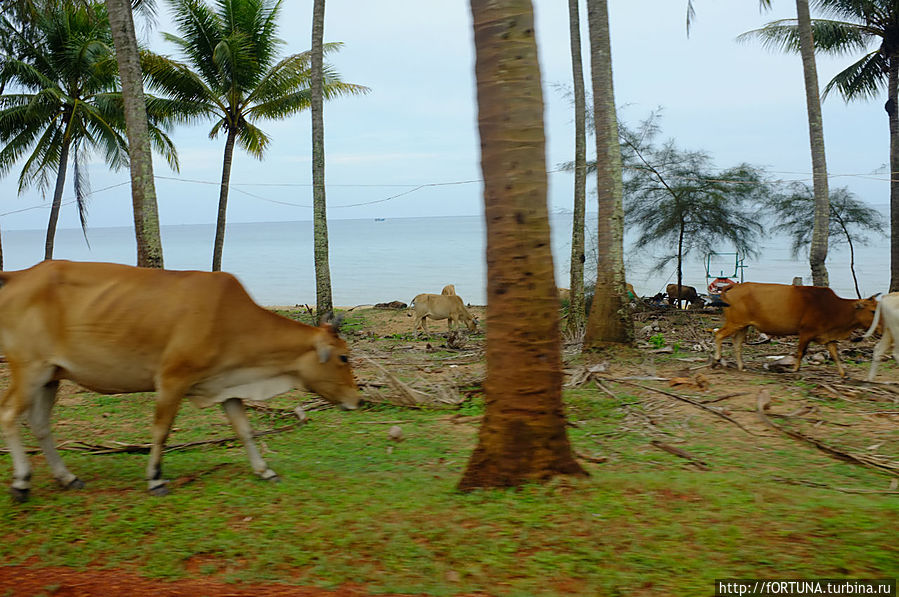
[470, 320]
[326, 369]
[864, 311]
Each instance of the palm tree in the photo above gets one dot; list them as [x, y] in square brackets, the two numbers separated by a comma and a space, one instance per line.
[817, 255]
[805, 46]
[849, 217]
[856, 27]
[232, 75]
[523, 435]
[68, 105]
[576, 283]
[818, 251]
[610, 317]
[323, 300]
[143, 188]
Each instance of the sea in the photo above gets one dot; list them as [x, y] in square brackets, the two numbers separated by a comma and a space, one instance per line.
[386, 259]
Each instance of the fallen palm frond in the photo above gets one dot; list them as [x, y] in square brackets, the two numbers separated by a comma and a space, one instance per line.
[763, 403]
[403, 394]
[695, 403]
[815, 484]
[701, 465]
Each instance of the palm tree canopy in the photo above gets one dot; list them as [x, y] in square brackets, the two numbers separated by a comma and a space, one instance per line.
[869, 27]
[231, 71]
[65, 73]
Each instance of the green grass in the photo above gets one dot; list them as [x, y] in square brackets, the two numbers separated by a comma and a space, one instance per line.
[355, 507]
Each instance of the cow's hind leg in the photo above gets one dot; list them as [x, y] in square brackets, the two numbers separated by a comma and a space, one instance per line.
[739, 337]
[39, 418]
[167, 403]
[880, 349]
[804, 341]
[720, 335]
[237, 415]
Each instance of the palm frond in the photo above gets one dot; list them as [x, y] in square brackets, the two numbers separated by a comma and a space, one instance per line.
[252, 139]
[82, 186]
[861, 80]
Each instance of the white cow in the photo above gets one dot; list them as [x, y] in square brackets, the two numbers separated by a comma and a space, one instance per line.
[888, 309]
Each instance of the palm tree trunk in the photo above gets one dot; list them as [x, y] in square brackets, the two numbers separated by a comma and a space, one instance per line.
[680, 262]
[143, 189]
[893, 113]
[818, 250]
[323, 301]
[523, 435]
[610, 318]
[576, 284]
[223, 202]
[57, 196]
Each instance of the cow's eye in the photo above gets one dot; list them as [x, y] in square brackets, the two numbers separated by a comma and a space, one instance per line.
[344, 359]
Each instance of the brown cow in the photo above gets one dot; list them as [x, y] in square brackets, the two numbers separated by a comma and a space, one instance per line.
[687, 293]
[448, 290]
[811, 312]
[121, 329]
[440, 306]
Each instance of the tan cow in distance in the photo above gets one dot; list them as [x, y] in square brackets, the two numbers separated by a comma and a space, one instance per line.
[448, 290]
[185, 334]
[441, 306]
[810, 312]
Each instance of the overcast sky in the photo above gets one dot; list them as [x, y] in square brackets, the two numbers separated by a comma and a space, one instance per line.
[418, 125]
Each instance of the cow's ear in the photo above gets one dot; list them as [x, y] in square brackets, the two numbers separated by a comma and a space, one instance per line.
[324, 351]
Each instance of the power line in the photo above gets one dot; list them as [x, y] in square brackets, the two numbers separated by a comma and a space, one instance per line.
[412, 188]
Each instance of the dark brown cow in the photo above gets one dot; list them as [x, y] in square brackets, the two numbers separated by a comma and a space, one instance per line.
[120, 329]
[687, 293]
[811, 312]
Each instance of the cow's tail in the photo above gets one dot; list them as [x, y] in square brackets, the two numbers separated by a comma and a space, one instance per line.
[876, 319]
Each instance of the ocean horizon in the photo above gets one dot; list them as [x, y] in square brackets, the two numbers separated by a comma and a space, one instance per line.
[384, 259]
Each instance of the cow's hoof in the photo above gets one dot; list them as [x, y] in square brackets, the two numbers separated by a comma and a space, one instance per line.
[159, 491]
[19, 496]
[75, 483]
[273, 479]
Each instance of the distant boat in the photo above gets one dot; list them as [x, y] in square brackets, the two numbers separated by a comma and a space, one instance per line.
[380, 219]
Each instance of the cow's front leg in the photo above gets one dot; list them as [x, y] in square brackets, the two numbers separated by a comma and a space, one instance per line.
[835, 355]
[237, 415]
[26, 383]
[39, 418]
[10, 410]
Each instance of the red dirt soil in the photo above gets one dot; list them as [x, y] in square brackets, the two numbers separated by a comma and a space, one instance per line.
[20, 581]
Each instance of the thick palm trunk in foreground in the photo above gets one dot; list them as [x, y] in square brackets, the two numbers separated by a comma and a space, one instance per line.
[523, 435]
[143, 188]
